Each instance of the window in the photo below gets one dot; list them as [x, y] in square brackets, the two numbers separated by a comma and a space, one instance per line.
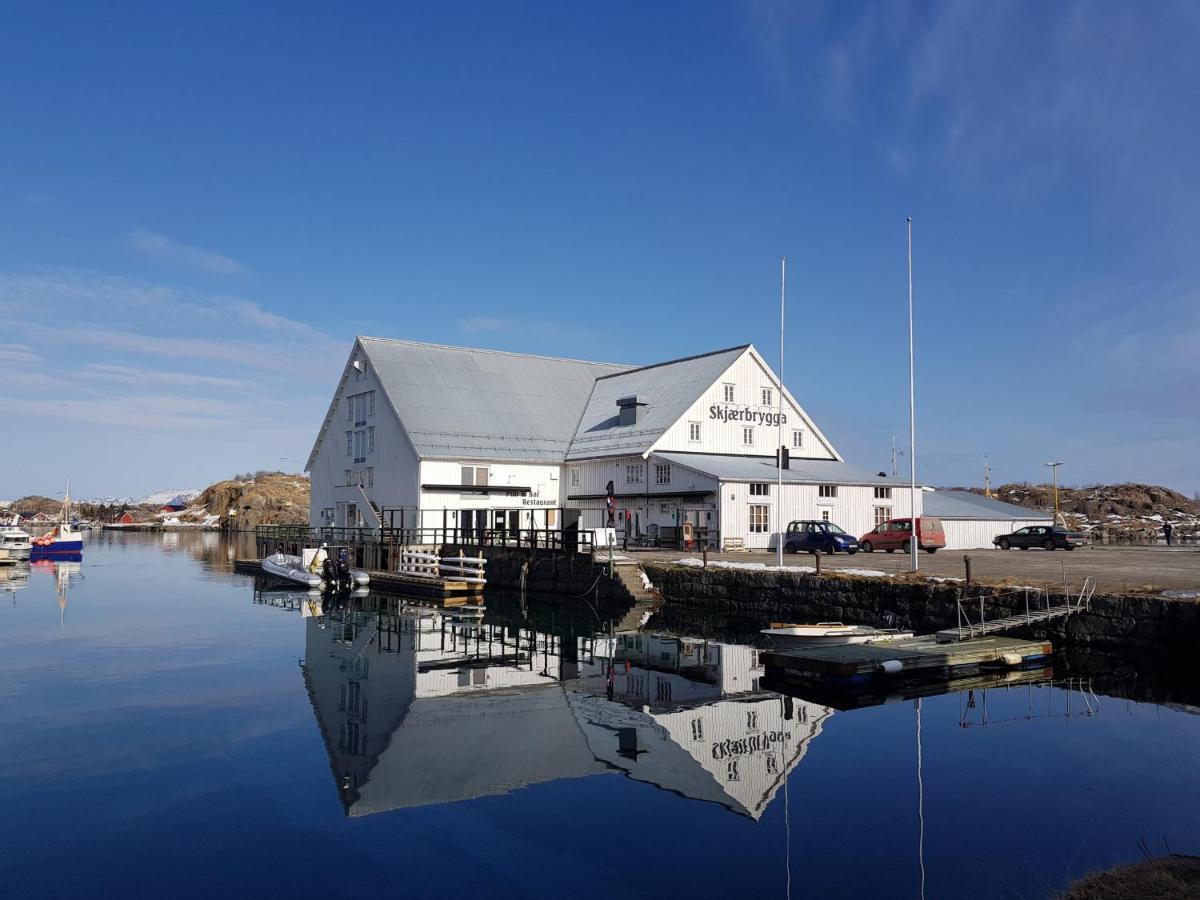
[760, 489]
[360, 445]
[349, 478]
[697, 729]
[693, 431]
[728, 392]
[662, 473]
[882, 514]
[759, 518]
[752, 720]
[552, 518]
[360, 407]
[371, 439]
[772, 764]
[662, 689]
[349, 442]
[748, 436]
[883, 493]
[633, 474]
[731, 772]
[768, 397]
[475, 475]
[370, 476]
[825, 515]
[797, 438]
[827, 491]
[574, 476]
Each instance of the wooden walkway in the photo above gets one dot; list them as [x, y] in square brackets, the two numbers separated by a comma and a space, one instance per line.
[923, 656]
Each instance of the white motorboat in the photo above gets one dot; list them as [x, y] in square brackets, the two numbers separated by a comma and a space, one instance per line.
[15, 545]
[825, 634]
[292, 568]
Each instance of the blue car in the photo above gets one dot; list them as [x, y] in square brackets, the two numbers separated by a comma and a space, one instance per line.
[818, 537]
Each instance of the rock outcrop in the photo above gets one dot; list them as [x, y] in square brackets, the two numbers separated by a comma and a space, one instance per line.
[268, 498]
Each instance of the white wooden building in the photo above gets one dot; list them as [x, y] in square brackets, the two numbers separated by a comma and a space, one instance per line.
[422, 435]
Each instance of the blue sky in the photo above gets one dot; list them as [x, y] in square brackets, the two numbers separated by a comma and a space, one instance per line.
[201, 206]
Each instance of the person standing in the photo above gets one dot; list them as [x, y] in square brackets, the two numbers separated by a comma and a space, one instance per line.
[1168, 530]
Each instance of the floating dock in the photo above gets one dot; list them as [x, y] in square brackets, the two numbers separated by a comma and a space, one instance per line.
[448, 590]
[852, 664]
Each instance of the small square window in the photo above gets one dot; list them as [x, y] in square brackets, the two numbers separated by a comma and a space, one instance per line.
[827, 491]
[883, 493]
[760, 489]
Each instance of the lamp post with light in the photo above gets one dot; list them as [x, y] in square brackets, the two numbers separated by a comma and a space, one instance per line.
[1053, 466]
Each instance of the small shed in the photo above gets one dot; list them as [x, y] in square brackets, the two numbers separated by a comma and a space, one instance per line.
[972, 520]
[126, 519]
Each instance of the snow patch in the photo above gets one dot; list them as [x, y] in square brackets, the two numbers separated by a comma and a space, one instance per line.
[1182, 595]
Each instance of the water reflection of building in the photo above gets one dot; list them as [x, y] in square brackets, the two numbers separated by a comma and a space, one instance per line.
[420, 706]
[14, 578]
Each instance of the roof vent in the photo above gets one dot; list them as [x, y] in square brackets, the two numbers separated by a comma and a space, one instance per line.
[630, 410]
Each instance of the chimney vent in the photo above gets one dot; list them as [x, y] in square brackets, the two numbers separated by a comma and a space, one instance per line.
[630, 410]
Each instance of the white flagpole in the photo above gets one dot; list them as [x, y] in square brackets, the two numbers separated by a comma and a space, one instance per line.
[779, 423]
[913, 540]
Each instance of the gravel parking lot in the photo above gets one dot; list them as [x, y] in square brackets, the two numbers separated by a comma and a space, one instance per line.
[1115, 569]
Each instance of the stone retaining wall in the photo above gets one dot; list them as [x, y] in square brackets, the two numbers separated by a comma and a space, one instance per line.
[1114, 621]
[547, 572]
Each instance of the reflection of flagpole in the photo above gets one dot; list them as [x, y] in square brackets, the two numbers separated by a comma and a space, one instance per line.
[787, 833]
[920, 801]
[779, 422]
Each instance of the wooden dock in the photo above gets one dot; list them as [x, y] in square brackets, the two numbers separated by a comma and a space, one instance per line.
[915, 657]
[447, 590]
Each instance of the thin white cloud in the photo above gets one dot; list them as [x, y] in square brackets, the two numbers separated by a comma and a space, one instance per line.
[18, 354]
[151, 243]
[144, 375]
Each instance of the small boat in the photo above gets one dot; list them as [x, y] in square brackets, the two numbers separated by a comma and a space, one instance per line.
[63, 537]
[292, 568]
[826, 634]
[15, 545]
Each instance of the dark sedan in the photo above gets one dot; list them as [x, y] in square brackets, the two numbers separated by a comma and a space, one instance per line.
[1048, 537]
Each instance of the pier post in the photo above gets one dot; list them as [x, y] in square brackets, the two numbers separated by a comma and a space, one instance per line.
[967, 565]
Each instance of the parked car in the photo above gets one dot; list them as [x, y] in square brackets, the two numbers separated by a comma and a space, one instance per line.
[818, 537]
[1048, 537]
[896, 534]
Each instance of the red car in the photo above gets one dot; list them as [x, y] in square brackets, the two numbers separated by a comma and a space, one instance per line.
[896, 534]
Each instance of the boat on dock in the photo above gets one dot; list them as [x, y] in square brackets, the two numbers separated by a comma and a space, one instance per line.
[293, 568]
[15, 544]
[826, 634]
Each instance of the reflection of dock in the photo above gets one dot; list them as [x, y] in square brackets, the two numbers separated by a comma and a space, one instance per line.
[851, 664]
[447, 589]
[880, 692]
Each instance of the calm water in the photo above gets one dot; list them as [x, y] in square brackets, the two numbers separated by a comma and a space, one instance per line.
[171, 729]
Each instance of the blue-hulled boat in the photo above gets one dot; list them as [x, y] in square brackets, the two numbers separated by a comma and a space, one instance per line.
[64, 538]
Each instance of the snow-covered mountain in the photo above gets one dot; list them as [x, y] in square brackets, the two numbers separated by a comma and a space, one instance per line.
[158, 498]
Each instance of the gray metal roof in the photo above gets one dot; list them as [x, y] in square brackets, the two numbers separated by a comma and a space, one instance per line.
[966, 505]
[483, 404]
[800, 471]
[667, 389]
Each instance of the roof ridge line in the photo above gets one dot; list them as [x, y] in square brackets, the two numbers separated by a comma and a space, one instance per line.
[590, 362]
[672, 362]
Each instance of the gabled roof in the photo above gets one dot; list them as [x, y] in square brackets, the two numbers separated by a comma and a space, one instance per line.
[760, 468]
[668, 390]
[460, 403]
[966, 505]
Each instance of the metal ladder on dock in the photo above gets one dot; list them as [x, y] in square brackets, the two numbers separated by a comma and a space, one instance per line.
[968, 629]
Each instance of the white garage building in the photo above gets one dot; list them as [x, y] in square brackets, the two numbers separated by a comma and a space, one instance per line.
[429, 436]
[972, 520]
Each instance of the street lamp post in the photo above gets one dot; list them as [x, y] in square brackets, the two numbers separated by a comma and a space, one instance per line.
[1053, 466]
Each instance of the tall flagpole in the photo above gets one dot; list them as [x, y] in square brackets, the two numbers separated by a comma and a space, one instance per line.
[914, 539]
[779, 423]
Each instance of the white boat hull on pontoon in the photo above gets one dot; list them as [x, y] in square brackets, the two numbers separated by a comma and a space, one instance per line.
[15, 545]
[291, 568]
[824, 634]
